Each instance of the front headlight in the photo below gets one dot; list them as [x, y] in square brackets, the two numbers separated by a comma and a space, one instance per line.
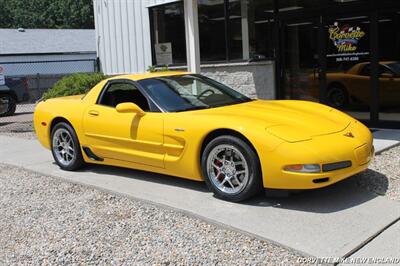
[303, 168]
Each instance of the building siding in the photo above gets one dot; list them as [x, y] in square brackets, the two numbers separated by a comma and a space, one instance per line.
[123, 34]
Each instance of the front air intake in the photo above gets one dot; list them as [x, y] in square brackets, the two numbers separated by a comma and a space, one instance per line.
[336, 166]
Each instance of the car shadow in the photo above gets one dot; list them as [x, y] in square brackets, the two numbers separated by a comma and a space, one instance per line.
[343, 195]
[5, 123]
[147, 176]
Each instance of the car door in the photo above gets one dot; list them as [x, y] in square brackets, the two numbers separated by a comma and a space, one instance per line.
[124, 136]
[389, 92]
[359, 84]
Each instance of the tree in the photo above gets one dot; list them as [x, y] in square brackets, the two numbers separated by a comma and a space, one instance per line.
[59, 14]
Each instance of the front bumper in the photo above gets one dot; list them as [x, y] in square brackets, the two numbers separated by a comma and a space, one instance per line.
[329, 150]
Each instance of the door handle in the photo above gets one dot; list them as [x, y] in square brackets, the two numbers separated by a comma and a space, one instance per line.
[94, 113]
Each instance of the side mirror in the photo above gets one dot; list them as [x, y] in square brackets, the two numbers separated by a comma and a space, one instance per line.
[130, 108]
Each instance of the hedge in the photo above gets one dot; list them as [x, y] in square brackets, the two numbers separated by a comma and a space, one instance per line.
[74, 84]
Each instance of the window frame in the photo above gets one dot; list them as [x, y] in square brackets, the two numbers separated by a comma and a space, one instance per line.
[153, 106]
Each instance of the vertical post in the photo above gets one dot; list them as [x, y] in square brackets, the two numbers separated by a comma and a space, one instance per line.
[245, 30]
[227, 21]
[322, 64]
[277, 52]
[192, 36]
[155, 26]
[38, 92]
[38, 81]
[374, 51]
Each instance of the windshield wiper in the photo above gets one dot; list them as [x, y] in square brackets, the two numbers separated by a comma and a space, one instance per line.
[193, 108]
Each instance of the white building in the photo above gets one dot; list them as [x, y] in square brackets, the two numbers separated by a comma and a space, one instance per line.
[284, 49]
[130, 41]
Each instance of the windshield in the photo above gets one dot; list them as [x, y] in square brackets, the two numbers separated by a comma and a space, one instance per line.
[395, 67]
[190, 92]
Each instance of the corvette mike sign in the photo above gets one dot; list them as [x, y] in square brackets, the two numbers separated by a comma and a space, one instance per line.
[346, 41]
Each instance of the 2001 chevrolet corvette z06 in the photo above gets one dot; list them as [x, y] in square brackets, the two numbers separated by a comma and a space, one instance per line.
[190, 126]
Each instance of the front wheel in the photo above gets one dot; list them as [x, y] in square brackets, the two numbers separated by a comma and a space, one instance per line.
[65, 147]
[231, 169]
[337, 96]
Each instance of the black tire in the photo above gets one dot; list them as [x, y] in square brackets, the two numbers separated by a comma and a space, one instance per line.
[77, 161]
[252, 186]
[12, 105]
[337, 96]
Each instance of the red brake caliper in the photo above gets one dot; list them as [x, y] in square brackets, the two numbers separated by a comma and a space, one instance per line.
[219, 175]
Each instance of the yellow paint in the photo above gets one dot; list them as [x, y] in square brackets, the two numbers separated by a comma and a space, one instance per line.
[282, 133]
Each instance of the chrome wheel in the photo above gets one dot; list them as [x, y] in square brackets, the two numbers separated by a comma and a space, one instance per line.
[63, 147]
[227, 169]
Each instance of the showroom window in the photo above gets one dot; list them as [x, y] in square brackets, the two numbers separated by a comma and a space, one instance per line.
[212, 30]
[235, 30]
[260, 25]
[168, 34]
[229, 31]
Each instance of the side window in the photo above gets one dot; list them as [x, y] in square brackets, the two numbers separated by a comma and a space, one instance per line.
[366, 71]
[117, 93]
[384, 70]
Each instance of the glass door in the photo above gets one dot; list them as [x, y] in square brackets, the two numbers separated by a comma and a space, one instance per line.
[300, 69]
[389, 66]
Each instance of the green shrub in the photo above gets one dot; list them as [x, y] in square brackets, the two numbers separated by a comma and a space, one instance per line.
[153, 69]
[74, 84]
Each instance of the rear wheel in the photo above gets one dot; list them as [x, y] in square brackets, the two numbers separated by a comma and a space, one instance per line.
[231, 169]
[65, 147]
[10, 102]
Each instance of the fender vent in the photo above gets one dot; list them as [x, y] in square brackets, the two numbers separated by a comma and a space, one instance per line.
[91, 155]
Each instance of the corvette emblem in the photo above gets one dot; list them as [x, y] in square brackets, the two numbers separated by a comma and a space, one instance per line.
[349, 135]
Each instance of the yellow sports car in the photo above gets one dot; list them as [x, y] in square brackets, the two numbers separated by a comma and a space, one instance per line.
[190, 126]
[353, 86]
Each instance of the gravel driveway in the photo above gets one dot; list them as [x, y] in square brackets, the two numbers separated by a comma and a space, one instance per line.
[383, 178]
[47, 221]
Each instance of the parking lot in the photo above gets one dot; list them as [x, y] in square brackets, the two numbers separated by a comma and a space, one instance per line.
[19, 124]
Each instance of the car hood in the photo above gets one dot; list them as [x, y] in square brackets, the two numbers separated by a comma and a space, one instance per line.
[290, 120]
